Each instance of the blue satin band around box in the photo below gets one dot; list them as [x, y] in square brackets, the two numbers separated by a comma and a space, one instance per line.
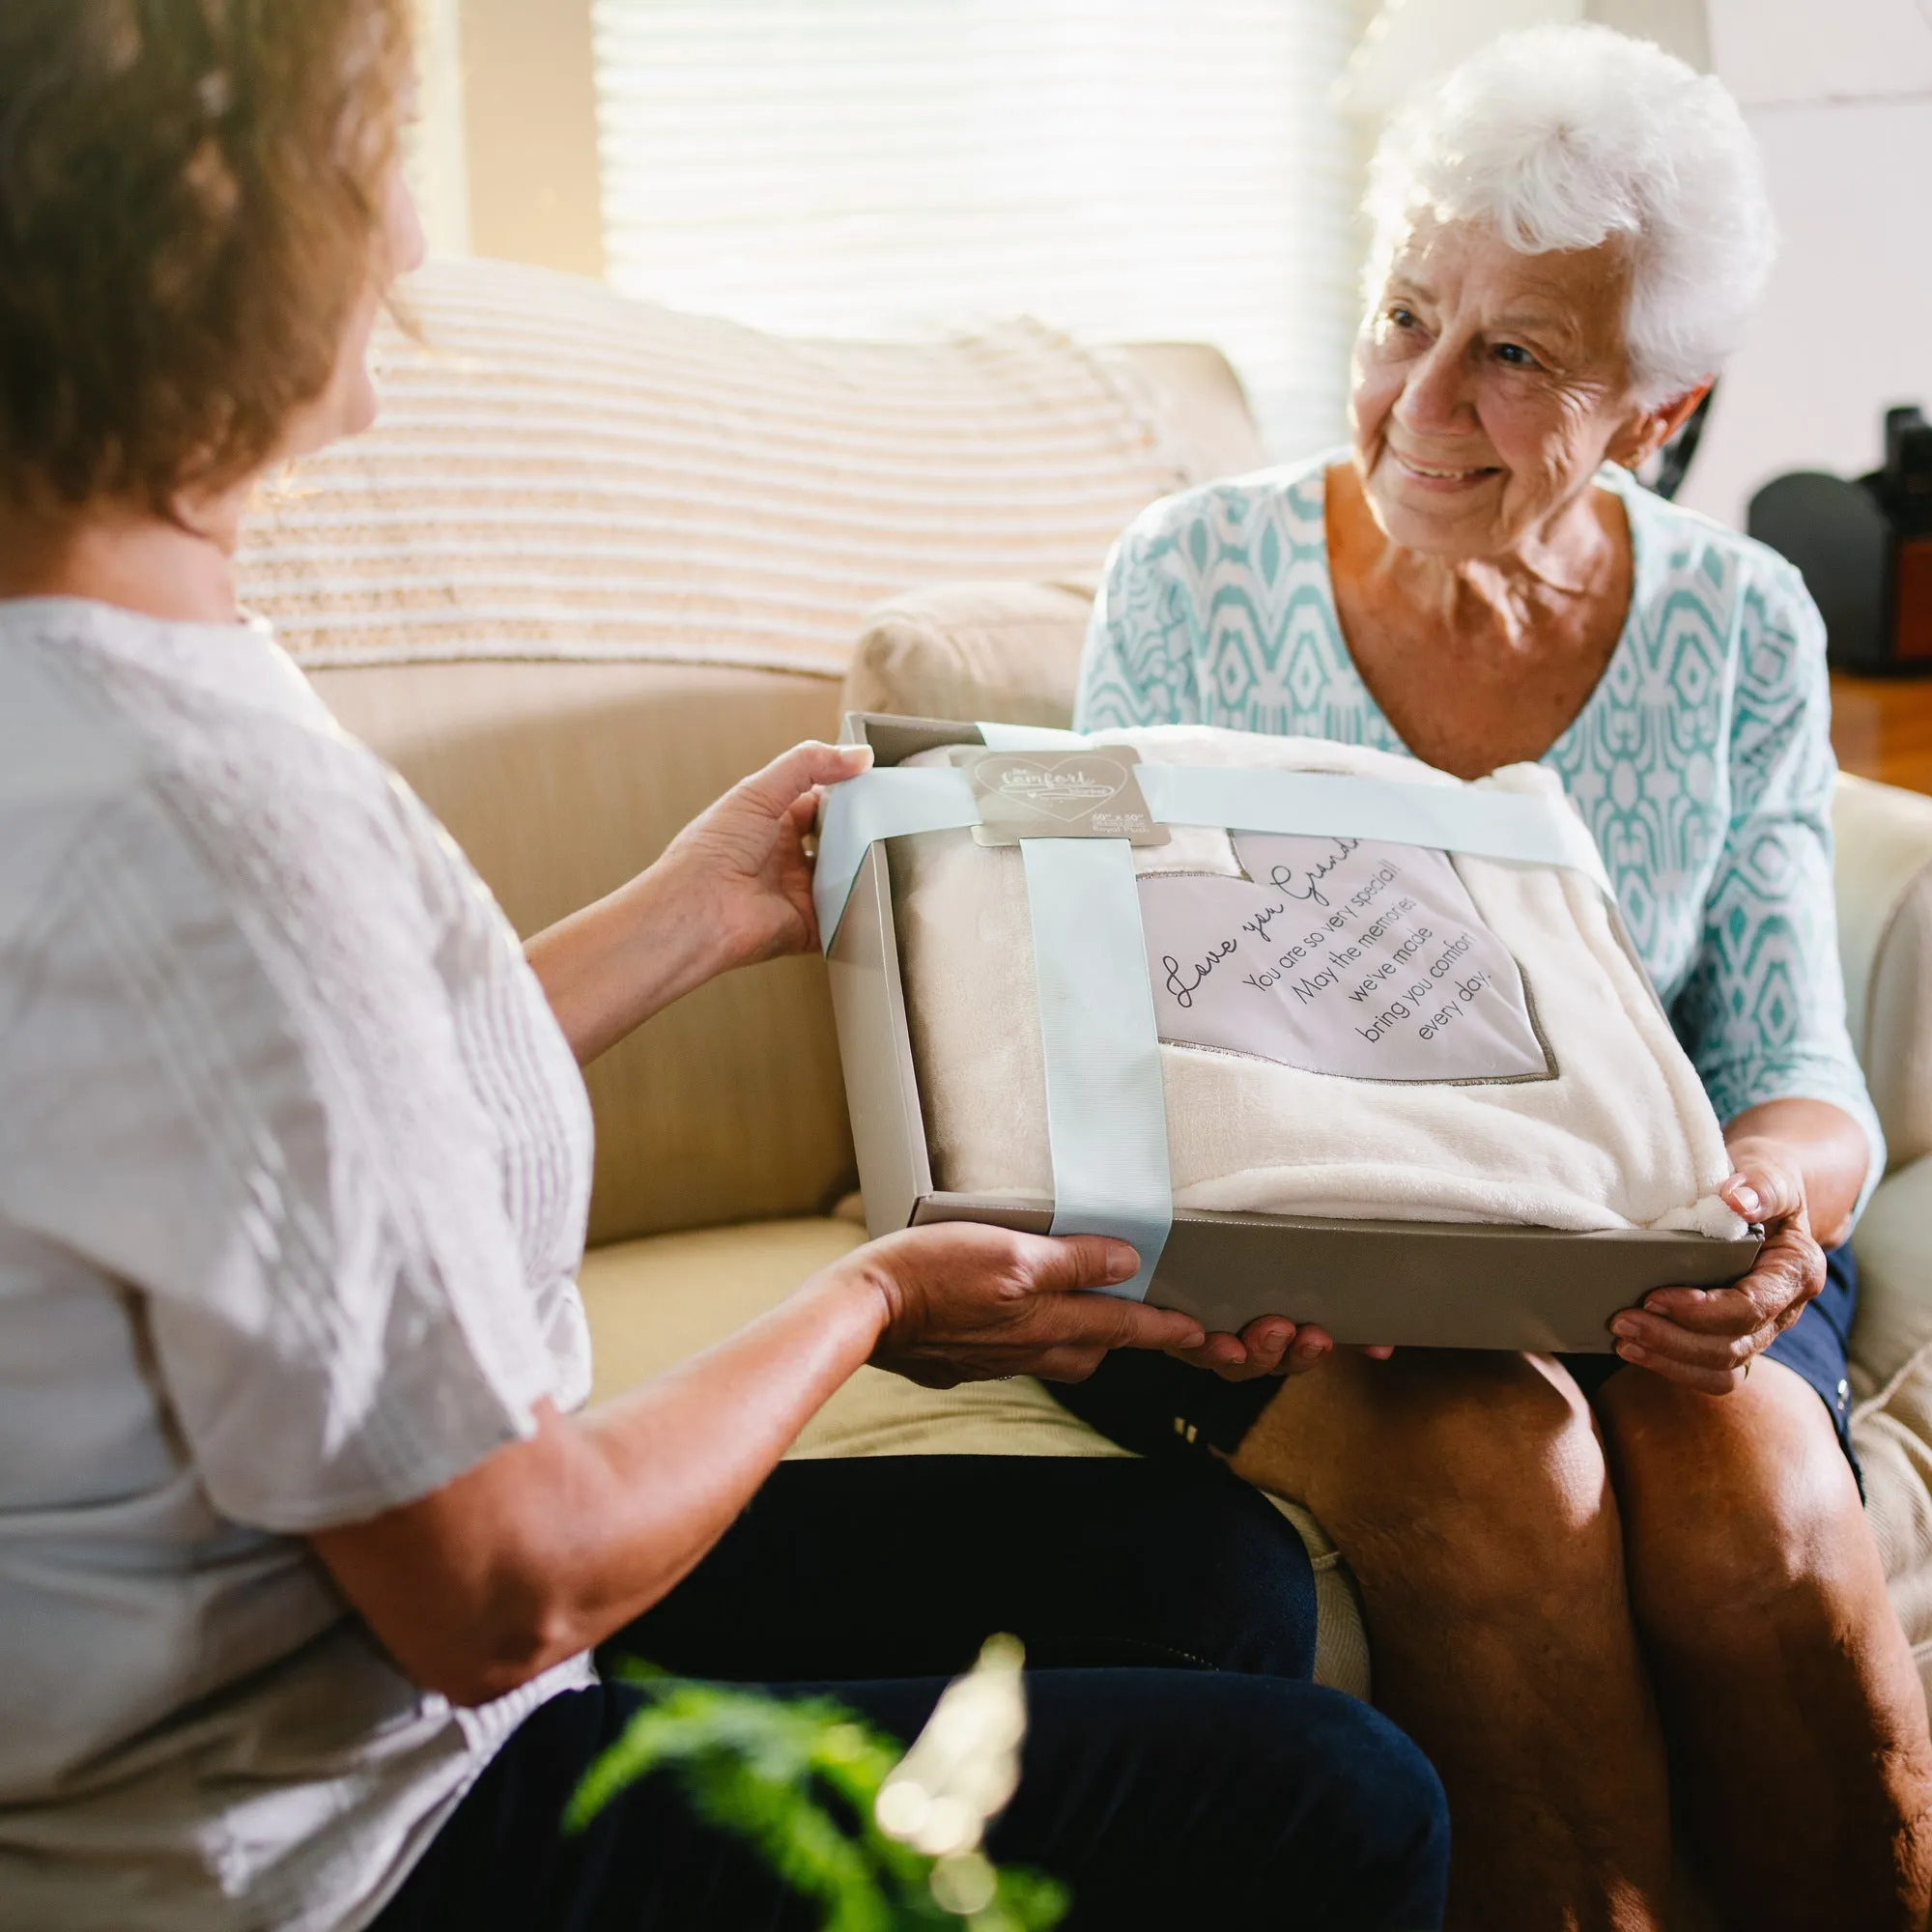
[1106, 1112]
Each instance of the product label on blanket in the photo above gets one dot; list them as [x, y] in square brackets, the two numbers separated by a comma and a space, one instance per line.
[1339, 956]
[1083, 794]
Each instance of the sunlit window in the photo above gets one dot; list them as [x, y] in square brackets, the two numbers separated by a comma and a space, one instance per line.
[1125, 169]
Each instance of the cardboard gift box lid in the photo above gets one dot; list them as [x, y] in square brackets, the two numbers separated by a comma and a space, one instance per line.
[1418, 1284]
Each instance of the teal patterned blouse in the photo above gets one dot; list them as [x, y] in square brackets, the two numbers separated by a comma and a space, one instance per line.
[1702, 760]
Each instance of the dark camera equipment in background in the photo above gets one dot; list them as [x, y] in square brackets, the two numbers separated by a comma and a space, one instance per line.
[1865, 549]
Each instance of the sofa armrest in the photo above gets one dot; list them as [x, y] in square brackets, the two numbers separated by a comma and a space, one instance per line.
[1891, 1378]
[1884, 941]
[1894, 1321]
[1010, 651]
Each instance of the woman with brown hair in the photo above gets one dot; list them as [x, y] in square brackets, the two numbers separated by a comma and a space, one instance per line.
[303, 1551]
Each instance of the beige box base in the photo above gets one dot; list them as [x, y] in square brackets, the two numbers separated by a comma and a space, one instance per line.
[1416, 1284]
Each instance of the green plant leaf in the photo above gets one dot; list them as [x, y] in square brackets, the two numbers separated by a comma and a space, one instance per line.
[798, 1781]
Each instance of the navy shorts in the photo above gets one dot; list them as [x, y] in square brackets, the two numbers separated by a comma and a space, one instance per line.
[1817, 1346]
[1158, 1406]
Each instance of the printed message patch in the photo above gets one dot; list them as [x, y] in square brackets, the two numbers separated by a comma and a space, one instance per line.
[1339, 956]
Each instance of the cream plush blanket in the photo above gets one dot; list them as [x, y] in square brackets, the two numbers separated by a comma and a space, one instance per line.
[1298, 1043]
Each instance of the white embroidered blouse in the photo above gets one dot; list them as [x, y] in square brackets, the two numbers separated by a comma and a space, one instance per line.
[294, 1173]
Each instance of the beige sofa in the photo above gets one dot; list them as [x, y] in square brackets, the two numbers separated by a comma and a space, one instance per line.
[722, 1150]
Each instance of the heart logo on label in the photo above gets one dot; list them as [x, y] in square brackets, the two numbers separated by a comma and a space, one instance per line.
[1067, 788]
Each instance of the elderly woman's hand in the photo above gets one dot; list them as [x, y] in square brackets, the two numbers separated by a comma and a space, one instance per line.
[1707, 1337]
[1270, 1345]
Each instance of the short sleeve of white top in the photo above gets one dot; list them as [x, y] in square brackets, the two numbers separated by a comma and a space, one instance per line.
[294, 1173]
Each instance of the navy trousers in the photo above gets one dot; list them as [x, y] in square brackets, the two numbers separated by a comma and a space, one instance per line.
[1179, 1770]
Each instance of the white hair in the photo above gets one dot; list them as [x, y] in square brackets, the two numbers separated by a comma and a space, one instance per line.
[1561, 137]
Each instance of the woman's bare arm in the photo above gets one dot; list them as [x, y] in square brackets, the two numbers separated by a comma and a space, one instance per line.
[732, 888]
[552, 1544]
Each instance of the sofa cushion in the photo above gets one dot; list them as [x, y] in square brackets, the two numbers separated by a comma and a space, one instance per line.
[560, 781]
[563, 472]
[655, 1303]
[1190, 392]
[1011, 651]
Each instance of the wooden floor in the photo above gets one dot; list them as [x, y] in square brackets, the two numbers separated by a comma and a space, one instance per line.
[1881, 728]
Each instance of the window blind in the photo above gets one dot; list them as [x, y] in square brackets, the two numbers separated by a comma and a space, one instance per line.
[1123, 169]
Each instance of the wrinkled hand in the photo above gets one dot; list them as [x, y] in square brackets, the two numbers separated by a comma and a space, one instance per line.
[1270, 1345]
[742, 866]
[969, 1304]
[1706, 1338]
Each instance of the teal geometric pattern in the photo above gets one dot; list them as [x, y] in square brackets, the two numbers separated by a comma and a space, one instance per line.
[1702, 761]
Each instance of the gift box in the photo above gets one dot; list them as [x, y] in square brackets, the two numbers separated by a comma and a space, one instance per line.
[1216, 985]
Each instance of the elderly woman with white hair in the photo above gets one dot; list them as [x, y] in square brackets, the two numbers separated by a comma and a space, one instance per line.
[1579, 1572]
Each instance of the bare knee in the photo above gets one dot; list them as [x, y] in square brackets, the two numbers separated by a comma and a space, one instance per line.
[1474, 1482]
[1742, 1515]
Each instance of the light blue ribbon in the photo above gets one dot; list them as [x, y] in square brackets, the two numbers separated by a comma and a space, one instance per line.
[880, 804]
[1106, 1108]
[1512, 826]
[894, 803]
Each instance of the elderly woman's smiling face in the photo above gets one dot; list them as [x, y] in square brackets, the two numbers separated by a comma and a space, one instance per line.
[1488, 386]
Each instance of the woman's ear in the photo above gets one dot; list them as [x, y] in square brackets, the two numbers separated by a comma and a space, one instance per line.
[1647, 431]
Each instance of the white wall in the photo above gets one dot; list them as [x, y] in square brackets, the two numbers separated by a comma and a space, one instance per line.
[1408, 43]
[1840, 97]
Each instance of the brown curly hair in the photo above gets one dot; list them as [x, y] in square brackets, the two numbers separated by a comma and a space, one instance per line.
[190, 192]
